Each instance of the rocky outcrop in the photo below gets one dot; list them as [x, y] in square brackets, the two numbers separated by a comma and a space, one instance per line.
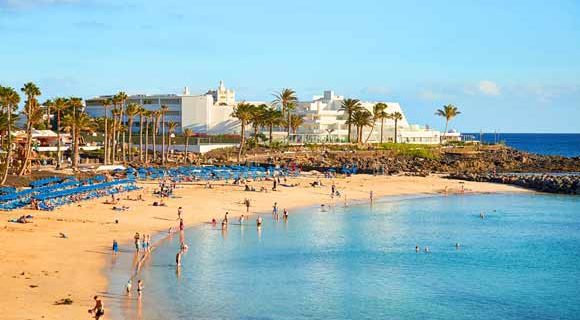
[551, 183]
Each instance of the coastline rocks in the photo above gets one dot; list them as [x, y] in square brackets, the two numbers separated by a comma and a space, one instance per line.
[550, 183]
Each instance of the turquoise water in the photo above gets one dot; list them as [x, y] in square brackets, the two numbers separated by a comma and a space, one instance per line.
[521, 262]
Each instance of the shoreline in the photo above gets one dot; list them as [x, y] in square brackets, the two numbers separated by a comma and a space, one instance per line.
[40, 268]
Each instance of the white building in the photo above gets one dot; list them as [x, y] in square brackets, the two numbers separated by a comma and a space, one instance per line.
[210, 113]
[207, 113]
[325, 122]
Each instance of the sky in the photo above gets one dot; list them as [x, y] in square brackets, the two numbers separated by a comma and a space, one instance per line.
[510, 66]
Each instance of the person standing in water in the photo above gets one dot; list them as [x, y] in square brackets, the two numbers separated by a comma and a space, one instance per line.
[115, 247]
[139, 287]
[275, 210]
[178, 259]
[259, 221]
[242, 219]
[181, 225]
[137, 237]
[285, 215]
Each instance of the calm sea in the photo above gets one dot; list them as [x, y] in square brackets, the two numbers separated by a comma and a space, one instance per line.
[562, 144]
[520, 262]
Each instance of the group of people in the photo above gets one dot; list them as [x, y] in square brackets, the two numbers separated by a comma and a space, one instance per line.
[142, 242]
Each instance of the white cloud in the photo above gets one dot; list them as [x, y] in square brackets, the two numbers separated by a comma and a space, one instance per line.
[489, 88]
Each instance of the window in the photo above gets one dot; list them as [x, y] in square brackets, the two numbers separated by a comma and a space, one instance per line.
[172, 113]
[170, 101]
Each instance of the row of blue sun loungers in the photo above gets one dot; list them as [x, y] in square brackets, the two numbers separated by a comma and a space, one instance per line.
[206, 173]
[84, 192]
[51, 193]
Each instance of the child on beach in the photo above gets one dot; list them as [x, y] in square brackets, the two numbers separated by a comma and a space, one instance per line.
[115, 247]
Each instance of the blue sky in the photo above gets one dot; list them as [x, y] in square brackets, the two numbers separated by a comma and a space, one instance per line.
[513, 65]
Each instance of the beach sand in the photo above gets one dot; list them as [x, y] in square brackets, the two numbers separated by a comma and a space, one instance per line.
[38, 267]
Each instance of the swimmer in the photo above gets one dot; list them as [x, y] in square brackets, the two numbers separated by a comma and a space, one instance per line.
[417, 248]
[259, 221]
[481, 215]
[427, 249]
[457, 245]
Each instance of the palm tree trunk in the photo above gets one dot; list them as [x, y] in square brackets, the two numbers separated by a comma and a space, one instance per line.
[395, 130]
[74, 136]
[58, 151]
[168, 146]
[28, 145]
[163, 138]
[242, 141]
[154, 143]
[76, 150]
[370, 133]
[444, 132]
[9, 152]
[382, 127]
[141, 138]
[186, 147]
[113, 139]
[289, 124]
[146, 140]
[129, 152]
[270, 131]
[105, 160]
[349, 128]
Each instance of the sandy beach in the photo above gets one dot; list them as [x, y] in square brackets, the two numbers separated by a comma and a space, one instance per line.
[38, 267]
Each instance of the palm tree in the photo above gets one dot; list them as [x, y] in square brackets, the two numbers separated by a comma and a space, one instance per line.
[243, 111]
[295, 122]
[117, 104]
[156, 115]
[379, 113]
[131, 111]
[9, 100]
[361, 118]
[48, 105]
[448, 112]
[116, 112]
[396, 116]
[163, 110]
[272, 117]
[60, 105]
[72, 120]
[122, 97]
[171, 126]
[349, 106]
[33, 116]
[286, 98]
[258, 118]
[106, 105]
[187, 133]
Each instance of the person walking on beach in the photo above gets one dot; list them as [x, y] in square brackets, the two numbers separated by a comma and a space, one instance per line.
[371, 196]
[128, 286]
[98, 310]
[226, 217]
[115, 247]
[137, 237]
[181, 225]
[247, 203]
[179, 212]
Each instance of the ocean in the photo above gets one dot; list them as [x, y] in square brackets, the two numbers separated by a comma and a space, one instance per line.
[562, 144]
[520, 262]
